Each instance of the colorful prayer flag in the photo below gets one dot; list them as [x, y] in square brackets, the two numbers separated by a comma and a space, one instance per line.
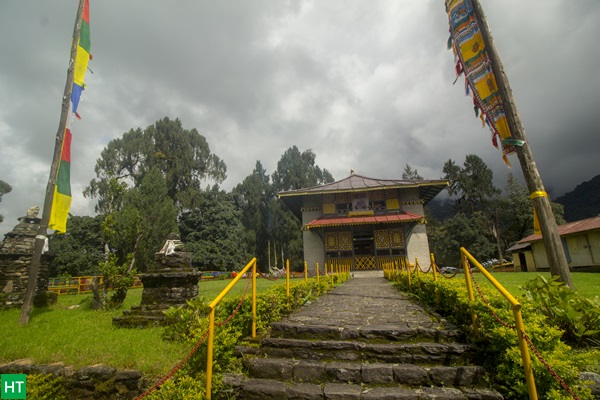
[61, 203]
[473, 61]
[82, 58]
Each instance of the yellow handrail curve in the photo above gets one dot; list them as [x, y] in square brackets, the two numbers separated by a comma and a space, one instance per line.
[211, 319]
[516, 308]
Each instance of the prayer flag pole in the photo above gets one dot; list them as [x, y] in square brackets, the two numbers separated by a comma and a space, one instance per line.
[40, 238]
[552, 242]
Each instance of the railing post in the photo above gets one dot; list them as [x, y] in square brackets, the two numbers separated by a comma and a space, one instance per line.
[331, 268]
[408, 270]
[209, 353]
[434, 268]
[287, 282]
[465, 265]
[317, 270]
[254, 299]
[305, 271]
[418, 269]
[520, 327]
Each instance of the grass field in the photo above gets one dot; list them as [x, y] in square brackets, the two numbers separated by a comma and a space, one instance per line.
[81, 336]
[586, 284]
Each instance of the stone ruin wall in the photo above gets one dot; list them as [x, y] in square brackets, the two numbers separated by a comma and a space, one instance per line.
[16, 251]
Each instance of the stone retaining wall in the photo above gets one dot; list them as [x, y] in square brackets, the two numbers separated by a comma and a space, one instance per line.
[92, 382]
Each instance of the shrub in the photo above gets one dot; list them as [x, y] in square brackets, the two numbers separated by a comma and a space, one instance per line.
[42, 387]
[500, 353]
[577, 316]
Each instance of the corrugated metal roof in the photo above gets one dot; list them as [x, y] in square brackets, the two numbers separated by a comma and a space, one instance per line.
[518, 246]
[570, 228]
[357, 183]
[373, 219]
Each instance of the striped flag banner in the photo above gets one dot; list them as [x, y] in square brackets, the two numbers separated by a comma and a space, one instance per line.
[82, 58]
[61, 203]
[473, 61]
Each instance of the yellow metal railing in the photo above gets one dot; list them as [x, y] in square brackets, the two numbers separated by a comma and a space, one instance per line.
[81, 284]
[384, 262]
[344, 262]
[467, 260]
[211, 318]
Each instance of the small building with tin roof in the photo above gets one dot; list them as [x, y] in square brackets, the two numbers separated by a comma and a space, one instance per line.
[364, 222]
[581, 242]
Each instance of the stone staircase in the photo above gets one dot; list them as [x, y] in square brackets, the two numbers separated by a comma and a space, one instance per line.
[348, 345]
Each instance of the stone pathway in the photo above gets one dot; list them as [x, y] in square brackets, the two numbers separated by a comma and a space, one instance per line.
[362, 340]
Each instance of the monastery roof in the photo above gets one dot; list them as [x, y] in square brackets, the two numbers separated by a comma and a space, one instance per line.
[570, 228]
[360, 183]
[428, 189]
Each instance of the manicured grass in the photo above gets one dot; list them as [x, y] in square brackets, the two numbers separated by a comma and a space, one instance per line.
[586, 284]
[81, 336]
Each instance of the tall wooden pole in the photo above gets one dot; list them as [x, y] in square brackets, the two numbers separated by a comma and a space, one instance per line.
[41, 236]
[552, 242]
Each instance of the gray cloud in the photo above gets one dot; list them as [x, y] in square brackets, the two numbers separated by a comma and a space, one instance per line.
[366, 84]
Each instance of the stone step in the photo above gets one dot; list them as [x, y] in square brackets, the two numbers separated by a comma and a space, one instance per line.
[335, 350]
[138, 321]
[364, 373]
[268, 389]
[139, 311]
[149, 307]
[399, 333]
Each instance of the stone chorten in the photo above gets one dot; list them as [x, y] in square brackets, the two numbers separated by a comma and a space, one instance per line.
[16, 252]
[173, 283]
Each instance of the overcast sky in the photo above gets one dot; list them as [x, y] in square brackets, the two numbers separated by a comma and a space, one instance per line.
[366, 84]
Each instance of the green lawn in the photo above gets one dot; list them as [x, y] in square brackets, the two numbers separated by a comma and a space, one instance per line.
[586, 283]
[81, 336]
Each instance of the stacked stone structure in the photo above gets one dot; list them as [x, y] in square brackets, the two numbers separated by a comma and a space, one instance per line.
[173, 283]
[16, 251]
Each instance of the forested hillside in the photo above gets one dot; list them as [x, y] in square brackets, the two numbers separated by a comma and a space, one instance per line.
[583, 202]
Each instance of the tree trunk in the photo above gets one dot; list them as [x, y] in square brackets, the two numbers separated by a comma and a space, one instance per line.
[96, 302]
[120, 293]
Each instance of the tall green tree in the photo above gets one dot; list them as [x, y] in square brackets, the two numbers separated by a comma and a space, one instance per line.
[297, 170]
[448, 236]
[286, 230]
[4, 189]
[472, 224]
[410, 174]
[78, 251]
[141, 227]
[514, 212]
[472, 184]
[212, 231]
[254, 197]
[183, 157]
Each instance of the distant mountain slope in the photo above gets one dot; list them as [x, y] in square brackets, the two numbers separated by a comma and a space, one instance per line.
[583, 202]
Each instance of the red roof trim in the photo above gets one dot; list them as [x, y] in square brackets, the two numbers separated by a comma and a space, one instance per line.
[374, 219]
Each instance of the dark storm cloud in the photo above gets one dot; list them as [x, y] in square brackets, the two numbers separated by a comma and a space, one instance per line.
[366, 84]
